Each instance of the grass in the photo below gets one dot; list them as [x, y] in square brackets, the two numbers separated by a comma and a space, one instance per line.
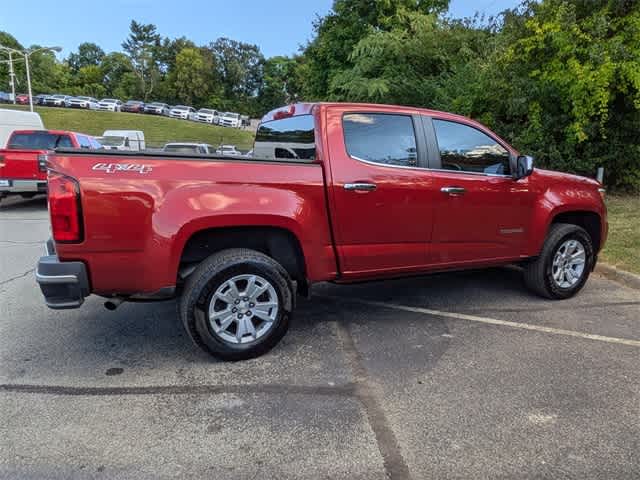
[157, 130]
[623, 245]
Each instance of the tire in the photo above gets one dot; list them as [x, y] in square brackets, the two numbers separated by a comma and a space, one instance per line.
[539, 274]
[213, 276]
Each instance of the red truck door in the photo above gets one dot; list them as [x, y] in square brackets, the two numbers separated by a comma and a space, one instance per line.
[381, 197]
[481, 213]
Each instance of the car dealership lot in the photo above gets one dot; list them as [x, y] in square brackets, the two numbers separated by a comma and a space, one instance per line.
[462, 375]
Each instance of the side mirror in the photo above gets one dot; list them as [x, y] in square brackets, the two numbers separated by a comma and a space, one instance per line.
[523, 167]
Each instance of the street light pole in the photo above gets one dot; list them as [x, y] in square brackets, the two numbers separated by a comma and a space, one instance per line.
[26, 53]
[12, 78]
[26, 61]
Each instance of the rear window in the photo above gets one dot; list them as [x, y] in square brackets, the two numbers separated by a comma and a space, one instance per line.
[183, 148]
[39, 141]
[290, 138]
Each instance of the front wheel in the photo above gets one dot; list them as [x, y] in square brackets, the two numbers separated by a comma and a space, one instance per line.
[564, 265]
[237, 304]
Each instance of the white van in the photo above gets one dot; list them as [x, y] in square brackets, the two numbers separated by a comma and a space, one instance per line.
[11, 120]
[123, 140]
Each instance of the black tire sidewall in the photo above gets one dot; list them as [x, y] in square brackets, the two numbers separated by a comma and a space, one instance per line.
[198, 305]
[556, 291]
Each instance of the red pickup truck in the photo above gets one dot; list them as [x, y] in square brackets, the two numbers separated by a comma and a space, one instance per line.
[23, 168]
[334, 192]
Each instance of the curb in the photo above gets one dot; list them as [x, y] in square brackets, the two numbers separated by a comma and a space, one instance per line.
[628, 279]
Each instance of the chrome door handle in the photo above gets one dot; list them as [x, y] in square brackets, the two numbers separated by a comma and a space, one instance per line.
[360, 187]
[453, 190]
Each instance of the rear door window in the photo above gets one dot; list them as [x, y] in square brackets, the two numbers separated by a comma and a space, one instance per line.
[381, 138]
[39, 141]
[287, 139]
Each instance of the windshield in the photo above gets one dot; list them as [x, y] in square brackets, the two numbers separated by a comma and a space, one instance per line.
[39, 141]
[108, 100]
[59, 96]
[180, 107]
[134, 102]
[112, 141]
[83, 98]
[206, 111]
[232, 115]
[182, 148]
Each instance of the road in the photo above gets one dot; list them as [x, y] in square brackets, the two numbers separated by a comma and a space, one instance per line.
[462, 375]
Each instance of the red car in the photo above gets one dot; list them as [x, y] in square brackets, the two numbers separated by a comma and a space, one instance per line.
[22, 99]
[334, 192]
[23, 163]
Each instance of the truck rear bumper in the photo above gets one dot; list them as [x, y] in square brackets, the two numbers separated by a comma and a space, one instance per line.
[63, 284]
[22, 186]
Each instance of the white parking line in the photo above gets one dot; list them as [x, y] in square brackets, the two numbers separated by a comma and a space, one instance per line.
[494, 321]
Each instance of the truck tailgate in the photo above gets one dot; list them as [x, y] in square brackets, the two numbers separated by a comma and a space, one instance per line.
[21, 165]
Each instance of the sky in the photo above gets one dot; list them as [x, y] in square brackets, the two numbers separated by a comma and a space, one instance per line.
[278, 27]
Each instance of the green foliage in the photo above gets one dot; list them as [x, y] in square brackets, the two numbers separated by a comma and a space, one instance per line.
[190, 77]
[89, 54]
[142, 46]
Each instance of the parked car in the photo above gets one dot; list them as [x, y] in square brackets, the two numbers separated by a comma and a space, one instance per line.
[229, 150]
[208, 115]
[156, 108]
[5, 97]
[110, 104]
[12, 120]
[184, 112]
[132, 140]
[133, 106]
[40, 99]
[57, 100]
[188, 147]
[89, 103]
[22, 99]
[408, 191]
[23, 169]
[230, 119]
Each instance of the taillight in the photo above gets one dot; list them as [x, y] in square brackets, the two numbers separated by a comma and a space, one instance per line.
[64, 208]
[43, 158]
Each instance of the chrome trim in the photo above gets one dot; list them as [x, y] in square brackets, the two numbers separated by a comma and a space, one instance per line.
[360, 187]
[385, 164]
[453, 190]
[56, 278]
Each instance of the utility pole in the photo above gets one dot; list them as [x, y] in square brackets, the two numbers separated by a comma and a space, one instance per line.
[12, 78]
[26, 60]
[26, 54]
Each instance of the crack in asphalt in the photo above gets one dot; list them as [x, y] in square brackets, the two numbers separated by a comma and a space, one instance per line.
[14, 242]
[17, 277]
[345, 390]
[394, 462]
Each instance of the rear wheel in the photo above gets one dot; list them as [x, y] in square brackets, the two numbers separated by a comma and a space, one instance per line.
[237, 304]
[564, 265]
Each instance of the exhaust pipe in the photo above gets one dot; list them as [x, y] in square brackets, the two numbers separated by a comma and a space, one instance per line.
[113, 303]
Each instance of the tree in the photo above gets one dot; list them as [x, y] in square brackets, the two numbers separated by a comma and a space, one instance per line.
[189, 77]
[117, 75]
[239, 67]
[141, 46]
[339, 32]
[279, 83]
[89, 54]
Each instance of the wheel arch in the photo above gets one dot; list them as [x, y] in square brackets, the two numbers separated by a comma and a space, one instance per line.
[279, 243]
[587, 219]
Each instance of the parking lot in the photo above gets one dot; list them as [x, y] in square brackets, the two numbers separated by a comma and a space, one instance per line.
[460, 375]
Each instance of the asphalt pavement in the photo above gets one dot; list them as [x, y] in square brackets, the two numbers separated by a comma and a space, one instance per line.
[460, 375]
